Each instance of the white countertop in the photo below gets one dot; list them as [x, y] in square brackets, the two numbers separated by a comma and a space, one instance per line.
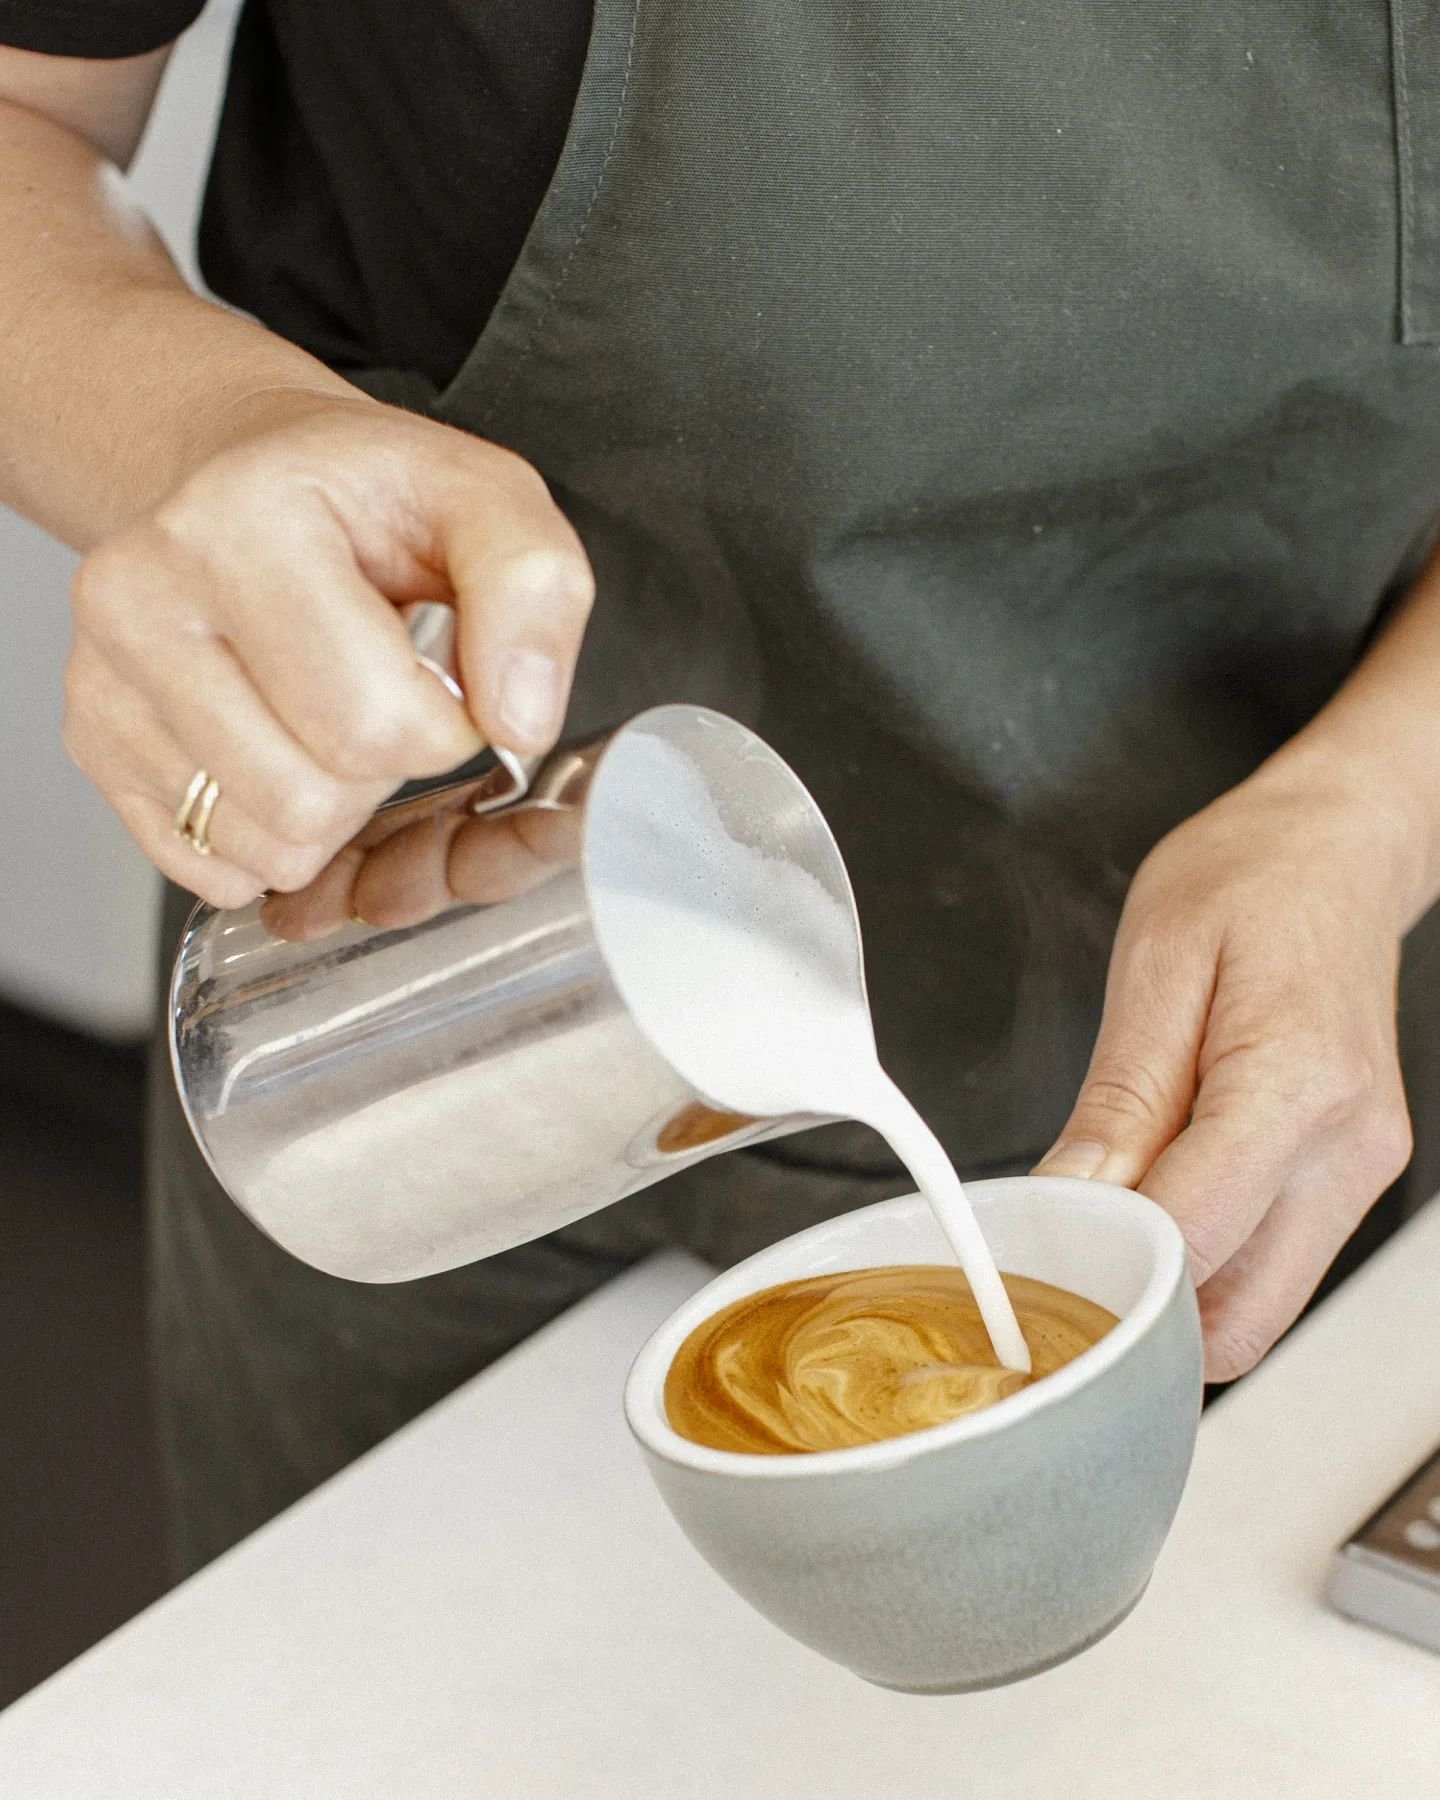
[495, 1603]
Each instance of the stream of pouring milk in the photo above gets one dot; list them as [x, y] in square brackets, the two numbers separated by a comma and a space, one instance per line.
[745, 974]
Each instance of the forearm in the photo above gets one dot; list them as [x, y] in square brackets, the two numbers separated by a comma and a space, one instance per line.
[116, 380]
[1376, 748]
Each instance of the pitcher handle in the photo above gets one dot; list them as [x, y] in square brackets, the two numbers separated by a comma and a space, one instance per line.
[431, 624]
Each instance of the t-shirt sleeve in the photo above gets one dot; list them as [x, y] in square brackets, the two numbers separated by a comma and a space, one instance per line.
[95, 28]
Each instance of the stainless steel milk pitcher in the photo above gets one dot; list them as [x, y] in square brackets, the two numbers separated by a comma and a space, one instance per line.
[390, 1101]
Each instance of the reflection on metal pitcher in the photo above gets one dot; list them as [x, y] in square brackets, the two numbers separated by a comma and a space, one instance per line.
[424, 1058]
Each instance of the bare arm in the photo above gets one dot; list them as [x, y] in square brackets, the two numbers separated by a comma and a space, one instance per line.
[253, 521]
[118, 380]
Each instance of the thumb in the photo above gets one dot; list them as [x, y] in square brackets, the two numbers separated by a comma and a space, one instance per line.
[523, 591]
[1143, 1072]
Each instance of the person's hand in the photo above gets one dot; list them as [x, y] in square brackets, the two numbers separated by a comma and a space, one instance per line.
[1246, 1075]
[402, 869]
[248, 626]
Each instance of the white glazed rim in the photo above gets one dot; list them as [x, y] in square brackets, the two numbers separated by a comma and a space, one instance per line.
[645, 1385]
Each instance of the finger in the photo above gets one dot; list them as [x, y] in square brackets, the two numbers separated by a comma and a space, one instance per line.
[210, 705]
[1224, 1171]
[1260, 1291]
[435, 862]
[329, 901]
[404, 880]
[221, 883]
[523, 592]
[114, 735]
[495, 859]
[328, 653]
[334, 898]
[1266, 1112]
[320, 907]
[334, 660]
[1246, 1305]
[1142, 1077]
[395, 877]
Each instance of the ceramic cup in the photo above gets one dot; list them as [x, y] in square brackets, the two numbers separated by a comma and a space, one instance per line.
[988, 1549]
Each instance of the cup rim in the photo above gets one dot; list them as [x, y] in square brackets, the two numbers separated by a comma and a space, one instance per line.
[645, 1384]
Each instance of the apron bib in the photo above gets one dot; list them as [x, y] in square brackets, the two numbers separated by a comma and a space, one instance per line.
[1009, 417]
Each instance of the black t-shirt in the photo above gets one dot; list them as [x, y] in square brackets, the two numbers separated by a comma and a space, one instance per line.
[377, 165]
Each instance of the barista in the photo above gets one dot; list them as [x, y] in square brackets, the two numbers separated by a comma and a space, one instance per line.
[1030, 425]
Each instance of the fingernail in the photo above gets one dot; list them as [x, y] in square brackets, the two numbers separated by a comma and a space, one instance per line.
[532, 699]
[1082, 1158]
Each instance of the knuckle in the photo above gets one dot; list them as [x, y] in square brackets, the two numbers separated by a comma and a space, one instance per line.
[291, 867]
[304, 814]
[1203, 1264]
[79, 688]
[511, 470]
[1234, 1344]
[98, 585]
[369, 748]
[556, 581]
[220, 884]
[578, 584]
[1128, 1096]
[76, 742]
[1335, 1088]
[1209, 1243]
[1388, 1142]
[1162, 948]
[75, 684]
[86, 743]
[227, 889]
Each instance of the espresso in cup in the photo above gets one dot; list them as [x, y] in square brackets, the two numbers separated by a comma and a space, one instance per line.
[856, 1356]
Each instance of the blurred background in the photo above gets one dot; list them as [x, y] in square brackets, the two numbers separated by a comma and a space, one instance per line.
[80, 1546]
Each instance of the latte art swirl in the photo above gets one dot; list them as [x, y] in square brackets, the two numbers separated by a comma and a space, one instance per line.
[850, 1358]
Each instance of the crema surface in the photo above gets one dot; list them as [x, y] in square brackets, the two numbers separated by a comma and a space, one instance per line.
[853, 1357]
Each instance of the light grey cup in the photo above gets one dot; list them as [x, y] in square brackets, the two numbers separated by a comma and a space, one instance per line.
[991, 1548]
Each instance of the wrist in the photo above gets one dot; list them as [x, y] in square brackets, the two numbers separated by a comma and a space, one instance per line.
[1386, 825]
[241, 412]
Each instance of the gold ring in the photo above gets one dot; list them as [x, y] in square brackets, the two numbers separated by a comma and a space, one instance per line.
[193, 815]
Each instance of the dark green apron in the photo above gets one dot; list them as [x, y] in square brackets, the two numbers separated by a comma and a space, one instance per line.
[1020, 416]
